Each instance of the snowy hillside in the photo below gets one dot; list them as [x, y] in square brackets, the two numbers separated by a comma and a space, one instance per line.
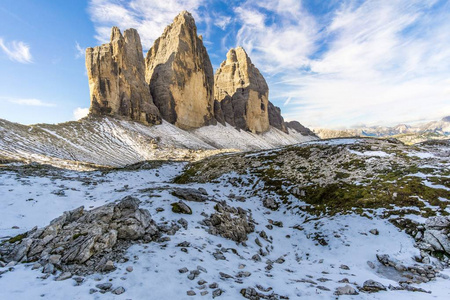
[112, 142]
[296, 247]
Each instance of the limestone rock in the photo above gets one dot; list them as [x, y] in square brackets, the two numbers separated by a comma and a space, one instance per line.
[86, 241]
[242, 92]
[372, 286]
[117, 79]
[275, 118]
[436, 234]
[180, 75]
[230, 222]
[345, 290]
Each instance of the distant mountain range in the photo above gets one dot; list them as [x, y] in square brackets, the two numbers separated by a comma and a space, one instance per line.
[409, 134]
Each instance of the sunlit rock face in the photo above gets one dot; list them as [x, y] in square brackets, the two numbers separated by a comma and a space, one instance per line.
[117, 79]
[242, 92]
[180, 75]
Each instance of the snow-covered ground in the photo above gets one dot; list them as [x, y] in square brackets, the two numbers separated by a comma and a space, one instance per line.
[112, 142]
[307, 268]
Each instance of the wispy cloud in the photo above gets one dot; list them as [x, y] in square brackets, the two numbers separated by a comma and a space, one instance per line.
[80, 112]
[381, 62]
[80, 51]
[222, 21]
[29, 102]
[17, 51]
[149, 17]
[278, 35]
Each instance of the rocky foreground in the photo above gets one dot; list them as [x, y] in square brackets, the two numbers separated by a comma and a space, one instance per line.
[317, 220]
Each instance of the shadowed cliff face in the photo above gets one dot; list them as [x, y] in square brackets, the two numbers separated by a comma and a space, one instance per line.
[117, 79]
[180, 75]
[242, 92]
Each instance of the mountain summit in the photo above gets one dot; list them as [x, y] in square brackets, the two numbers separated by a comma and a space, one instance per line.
[176, 82]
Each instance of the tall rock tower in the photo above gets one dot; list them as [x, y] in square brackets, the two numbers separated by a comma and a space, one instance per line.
[117, 79]
[242, 92]
[180, 75]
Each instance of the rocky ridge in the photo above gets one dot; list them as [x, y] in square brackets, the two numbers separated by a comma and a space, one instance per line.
[182, 88]
[409, 134]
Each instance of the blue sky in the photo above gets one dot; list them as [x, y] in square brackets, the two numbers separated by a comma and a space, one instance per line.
[328, 63]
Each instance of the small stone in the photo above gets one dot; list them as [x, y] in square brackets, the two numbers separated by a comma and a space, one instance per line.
[191, 293]
[109, 266]
[371, 264]
[374, 231]
[54, 259]
[92, 291]
[280, 260]
[372, 286]
[203, 293]
[118, 291]
[36, 266]
[217, 293]
[219, 256]
[64, 276]
[201, 282]
[129, 269]
[213, 285]
[184, 244]
[183, 270]
[244, 274]
[78, 280]
[225, 275]
[344, 267]
[49, 269]
[345, 290]
[104, 286]
[321, 287]
[256, 257]
[200, 268]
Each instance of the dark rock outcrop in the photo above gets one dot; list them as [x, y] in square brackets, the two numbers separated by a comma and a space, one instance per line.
[117, 79]
[180, 75]
[275, 118]
[299, 128]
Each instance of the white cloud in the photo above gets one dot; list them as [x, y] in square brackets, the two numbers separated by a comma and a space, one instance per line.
[30, 102]
[278, 35]
[148, 17]
[222, 21]
[17, 51]
[80, 51]
[80, 112]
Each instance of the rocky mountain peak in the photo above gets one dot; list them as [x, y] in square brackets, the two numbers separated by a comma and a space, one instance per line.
[180, 75]
[242, 92]
[117, 79]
